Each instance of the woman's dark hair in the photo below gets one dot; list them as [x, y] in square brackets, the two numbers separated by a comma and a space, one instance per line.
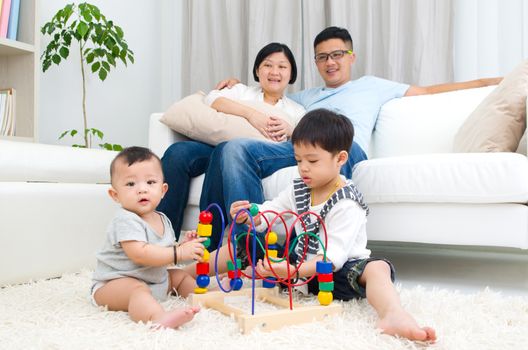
[334, 33]
[321, 127]
[272, 48]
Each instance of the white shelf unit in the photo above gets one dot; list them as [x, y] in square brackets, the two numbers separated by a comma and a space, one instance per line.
[19, 69]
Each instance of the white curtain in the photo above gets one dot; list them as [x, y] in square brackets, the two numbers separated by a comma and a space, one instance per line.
[491, 37]
[404, 40]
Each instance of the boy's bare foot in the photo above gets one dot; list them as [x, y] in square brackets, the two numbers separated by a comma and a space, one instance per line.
[399, 322]
[176, 318]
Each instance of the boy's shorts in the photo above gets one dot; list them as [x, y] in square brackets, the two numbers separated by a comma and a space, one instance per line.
[346, 279]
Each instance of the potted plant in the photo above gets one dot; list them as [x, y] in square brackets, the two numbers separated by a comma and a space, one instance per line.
[101, 47]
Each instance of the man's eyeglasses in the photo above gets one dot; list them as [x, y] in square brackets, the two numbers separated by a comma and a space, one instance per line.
[335, 55]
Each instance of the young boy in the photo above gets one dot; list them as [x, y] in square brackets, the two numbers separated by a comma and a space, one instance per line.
[320, 143]
[131, 273]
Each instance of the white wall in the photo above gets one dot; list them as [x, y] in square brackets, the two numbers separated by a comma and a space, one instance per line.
[119, 106]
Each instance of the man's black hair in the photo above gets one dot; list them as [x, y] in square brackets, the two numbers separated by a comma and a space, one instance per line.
[133, 155]
[321, 127]
[334, 33]
[272, 48]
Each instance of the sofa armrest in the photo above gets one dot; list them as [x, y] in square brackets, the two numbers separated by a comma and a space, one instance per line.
[161, 136]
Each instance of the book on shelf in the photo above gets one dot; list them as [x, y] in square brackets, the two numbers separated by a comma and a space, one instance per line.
[12, 26]
[7, 112]
[4, 18]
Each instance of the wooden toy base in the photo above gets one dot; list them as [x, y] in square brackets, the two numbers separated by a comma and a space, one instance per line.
[268, 321]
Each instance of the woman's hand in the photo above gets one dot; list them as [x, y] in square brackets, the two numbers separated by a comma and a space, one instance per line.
[260, 122]
[278, 129]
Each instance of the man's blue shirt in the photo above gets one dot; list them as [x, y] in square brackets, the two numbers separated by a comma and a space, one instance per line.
[360, 100]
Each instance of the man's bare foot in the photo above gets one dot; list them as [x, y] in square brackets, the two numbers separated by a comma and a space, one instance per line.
[176, 318]
[399, 322]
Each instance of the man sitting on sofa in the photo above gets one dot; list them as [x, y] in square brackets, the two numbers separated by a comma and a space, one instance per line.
[236, 167]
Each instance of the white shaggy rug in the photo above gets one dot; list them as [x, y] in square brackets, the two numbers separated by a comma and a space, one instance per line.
[58, 314]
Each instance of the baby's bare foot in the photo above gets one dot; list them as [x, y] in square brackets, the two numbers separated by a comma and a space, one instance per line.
[401, 323]
[176, 318]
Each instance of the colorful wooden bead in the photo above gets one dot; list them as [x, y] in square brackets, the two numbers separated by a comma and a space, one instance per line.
[253, 209]
[231, 266]
[323, 267]
[202, 268]
[204, 230]
[202, 281]
[236, 283]
[234, 274]
[271, 238]
[207, 242]
[326, 286]
[325, 277]
[205, 217]
[206, 255]
[272, 253]
[325, 298]
[199, 290]
[266, 284]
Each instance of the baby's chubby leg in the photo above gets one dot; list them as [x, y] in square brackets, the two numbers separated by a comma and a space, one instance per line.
[132, 295]
[382, 295]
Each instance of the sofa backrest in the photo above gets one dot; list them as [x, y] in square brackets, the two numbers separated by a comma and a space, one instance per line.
[423, 124]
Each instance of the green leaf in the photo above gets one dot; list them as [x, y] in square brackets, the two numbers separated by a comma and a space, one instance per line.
[95, 67]
[111, 59]
[131, 58]
[119, 32]
[106, 65]
[90, 57]
[56, 59]
[117, 147]
[64, 52]
[73, 133]
[63, 134]
[82, 29]
[102, 74]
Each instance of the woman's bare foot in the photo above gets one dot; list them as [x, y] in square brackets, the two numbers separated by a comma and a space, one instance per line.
[176, 318]
[399, 322]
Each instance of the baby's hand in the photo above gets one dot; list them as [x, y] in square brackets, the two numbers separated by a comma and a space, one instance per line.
[189, 236]
[191, 250]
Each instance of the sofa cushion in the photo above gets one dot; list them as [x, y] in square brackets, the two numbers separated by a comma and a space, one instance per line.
[35, 162]
[196, 120]
[445, 178]
[430, 121]
[498, 123]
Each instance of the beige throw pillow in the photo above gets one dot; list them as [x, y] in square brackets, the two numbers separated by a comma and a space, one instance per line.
[196, 120]
[498, 122]
[522, 149]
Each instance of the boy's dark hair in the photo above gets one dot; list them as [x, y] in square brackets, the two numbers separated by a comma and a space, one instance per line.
[133, 155]
[321, 127]
[272, 48]
[334, 33]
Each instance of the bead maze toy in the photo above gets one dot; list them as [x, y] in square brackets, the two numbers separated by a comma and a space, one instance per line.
[291, 313]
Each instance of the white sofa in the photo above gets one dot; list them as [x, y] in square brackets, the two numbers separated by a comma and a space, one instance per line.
[418, 190]
[54, 209]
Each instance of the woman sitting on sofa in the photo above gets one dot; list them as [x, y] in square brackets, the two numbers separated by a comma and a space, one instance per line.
[274, 69]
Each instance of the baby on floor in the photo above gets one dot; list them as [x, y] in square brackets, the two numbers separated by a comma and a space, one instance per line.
[131, 273]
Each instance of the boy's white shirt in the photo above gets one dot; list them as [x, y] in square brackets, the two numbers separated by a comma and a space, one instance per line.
[345, 225]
